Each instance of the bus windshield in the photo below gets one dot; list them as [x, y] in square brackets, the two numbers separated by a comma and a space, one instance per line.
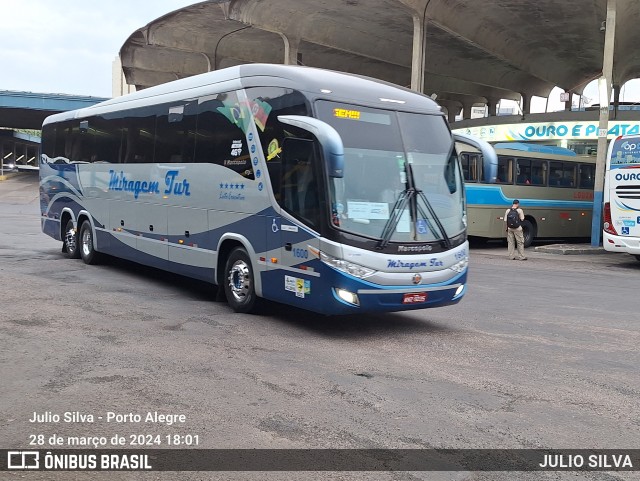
[386, 154]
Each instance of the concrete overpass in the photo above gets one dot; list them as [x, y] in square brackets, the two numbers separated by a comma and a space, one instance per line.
[27, 110]
[467, 52]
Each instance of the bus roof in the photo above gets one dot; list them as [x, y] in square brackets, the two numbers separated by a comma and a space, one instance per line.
[543, 149]
[320, 83]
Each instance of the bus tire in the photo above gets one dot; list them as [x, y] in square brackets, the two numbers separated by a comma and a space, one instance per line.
[70, 241]
[528, 231]
[87, 250]
[239, 283]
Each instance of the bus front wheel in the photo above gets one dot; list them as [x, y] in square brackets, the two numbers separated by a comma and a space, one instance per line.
[528, 231]
[239, 281]
[70, 241]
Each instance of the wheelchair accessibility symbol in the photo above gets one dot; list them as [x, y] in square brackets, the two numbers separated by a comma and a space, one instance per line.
[274, 227]
[421, 226]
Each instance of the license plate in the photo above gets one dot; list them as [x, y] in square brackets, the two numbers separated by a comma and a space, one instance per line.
[414, 298]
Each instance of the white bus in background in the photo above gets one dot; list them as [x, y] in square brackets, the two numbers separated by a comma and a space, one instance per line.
[621, 228]
[326, 191]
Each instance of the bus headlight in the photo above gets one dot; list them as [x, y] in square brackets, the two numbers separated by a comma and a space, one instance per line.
[348, 297]
[350, 268]
[461, 265]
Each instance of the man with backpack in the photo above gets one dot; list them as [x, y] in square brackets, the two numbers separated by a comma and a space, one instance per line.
[514, 217]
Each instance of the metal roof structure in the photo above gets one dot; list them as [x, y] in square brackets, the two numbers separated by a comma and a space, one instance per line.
[27, 110]
[471, 51]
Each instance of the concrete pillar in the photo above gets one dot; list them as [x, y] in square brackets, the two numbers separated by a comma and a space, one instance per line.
[290, 50]
[603, 123]
[526, 103]
[452, 114]
[418, 52]
[452, 107]
[568, 103]
[616, 100]
[466, 110]
[492, 107]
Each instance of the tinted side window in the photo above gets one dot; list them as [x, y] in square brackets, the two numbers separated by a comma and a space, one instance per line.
[51, 143]
[267, 103]
[73, 142]
[221, 134]
[107, 139]
[505, 170]
[562, 174]
[531, 172]
[176, 133]
[587, 176]
[469, 164]
[139, 130]
[299, 181]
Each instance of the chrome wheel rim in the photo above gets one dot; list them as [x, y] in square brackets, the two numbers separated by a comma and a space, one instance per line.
[239, 280]
[70, 240]
[86, 243]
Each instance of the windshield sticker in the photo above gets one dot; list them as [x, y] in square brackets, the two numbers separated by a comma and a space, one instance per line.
[236, 148]
[273, 150]
[368, 210]
[260, 111]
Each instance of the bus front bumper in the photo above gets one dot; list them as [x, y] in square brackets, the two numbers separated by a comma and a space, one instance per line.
[617, 243]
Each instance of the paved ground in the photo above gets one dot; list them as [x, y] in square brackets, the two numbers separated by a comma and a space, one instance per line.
[540, 354]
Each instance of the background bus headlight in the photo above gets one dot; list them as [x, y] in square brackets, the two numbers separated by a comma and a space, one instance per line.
[350, 268]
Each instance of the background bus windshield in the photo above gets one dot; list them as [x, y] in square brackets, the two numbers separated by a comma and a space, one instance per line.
[377, 144]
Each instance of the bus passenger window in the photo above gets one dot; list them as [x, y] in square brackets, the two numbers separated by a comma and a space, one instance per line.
[555, 174]
[587, 176]
[220, 138]
[469, 163]
[505, 168]
[538, 172]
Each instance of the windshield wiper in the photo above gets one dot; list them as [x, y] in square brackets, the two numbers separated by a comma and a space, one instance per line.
[445, 237]
[410, 197]
[394, 218]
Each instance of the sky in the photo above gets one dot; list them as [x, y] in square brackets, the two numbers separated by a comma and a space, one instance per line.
[68, 46]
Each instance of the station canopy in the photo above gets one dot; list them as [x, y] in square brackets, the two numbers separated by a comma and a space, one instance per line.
[475, 51]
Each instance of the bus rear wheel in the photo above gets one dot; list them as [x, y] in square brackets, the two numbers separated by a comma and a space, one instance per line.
[239, 281]
[528, 231]
[87, 251]
[70, 241]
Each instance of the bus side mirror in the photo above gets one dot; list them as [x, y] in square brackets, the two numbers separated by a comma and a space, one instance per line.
[489, 156]
[329, 139]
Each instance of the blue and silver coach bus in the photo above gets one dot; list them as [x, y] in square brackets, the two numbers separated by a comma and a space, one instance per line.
[327, 191]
